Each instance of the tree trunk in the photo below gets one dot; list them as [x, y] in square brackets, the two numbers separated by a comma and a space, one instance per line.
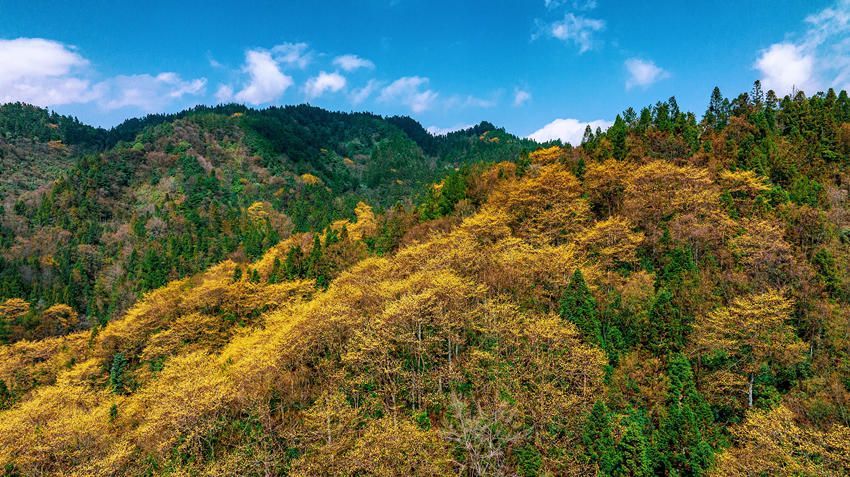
[750, 391]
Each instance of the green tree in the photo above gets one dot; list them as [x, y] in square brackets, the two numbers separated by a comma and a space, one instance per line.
[617, 135]
[665, 326]
[579, 307]
[682, 439]
[116, 373]
[599, 447]
[632, 451]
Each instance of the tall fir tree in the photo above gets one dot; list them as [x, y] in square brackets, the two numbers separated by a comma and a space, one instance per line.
[579, 307]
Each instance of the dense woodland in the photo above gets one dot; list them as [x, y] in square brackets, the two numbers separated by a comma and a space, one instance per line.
[290, 291]
[195, 188]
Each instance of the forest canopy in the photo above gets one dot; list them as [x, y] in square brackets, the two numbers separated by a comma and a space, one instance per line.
[292, 291]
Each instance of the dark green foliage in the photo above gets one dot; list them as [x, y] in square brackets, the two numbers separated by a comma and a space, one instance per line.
[40, 125]
[441, 201]
[827, 272]
[805, 191]
[391, 232]
[6, 397]
[617, 135]
[275, 274]
[315, 265]
[116, 373]
[416, 132]
[665, 328]
[717, 114]
[683, 438]
[599, 446]
[579, 307]
[632, 451]
[295, 265]
[152, 273]
[173, 180]
[528, 461]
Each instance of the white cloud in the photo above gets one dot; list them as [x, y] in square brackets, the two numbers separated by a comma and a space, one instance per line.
[41, 72]
[352, 62]
[577, 4]
[36, 57]
[361, 94]
[521, 97]
[50, 73]
[817, 58]
[292, 54]
[224, 93]
[470, 101]
[567, 130]
[318, 85]
[408, 91]
[785, 66]
[643, 73]
[267, 82]
[577, 29]
[213, 62]
[829, 22]
[438, 131]
[146, 92]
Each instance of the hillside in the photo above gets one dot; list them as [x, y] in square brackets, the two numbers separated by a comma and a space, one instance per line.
[191, 189]
[37, 147]
[671, 297]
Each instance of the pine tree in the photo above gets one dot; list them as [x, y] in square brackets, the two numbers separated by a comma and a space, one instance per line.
[632, 451]
[674, 109]
[579, 307]
[665, 327]
[617, 134]
[717, 113]
[757, 94]
[274, 276]
[682, 439]
[116, 373]
[314, 260]
[294, 263]
[598, 441]
[588, 135]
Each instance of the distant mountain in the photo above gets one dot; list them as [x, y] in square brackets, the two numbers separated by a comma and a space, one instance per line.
[92, 218]
[37, 146]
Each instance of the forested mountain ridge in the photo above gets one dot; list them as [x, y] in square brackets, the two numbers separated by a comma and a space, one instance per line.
[191, 189]
[36, 147]
[671, 297]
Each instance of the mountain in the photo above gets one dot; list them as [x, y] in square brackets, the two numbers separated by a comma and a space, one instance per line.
[191, 189]
[36, 147]
[671, 297]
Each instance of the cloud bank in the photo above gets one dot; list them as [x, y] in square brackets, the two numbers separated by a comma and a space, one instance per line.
[818, 58]
[567, 130]
[50, 73]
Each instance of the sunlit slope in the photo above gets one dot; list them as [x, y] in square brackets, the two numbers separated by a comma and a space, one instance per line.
[478, 350]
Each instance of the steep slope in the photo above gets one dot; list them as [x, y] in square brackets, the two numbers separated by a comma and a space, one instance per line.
[36, 147]
[670, 298]
[193, 188]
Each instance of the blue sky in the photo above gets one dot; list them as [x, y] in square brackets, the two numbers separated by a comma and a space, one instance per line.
[542, 67]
